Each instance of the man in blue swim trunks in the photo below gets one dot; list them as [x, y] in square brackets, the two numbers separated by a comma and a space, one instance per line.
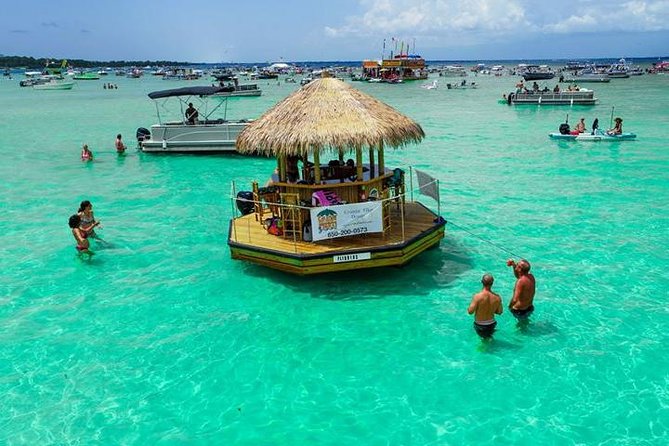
[521, 304]
[485, 305]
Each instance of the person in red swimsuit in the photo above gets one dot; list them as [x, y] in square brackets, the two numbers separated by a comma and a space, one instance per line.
[80, 235]
[120, 147]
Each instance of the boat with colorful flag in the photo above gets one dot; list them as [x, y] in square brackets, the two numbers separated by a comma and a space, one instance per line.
[402, 65]
[316, 217]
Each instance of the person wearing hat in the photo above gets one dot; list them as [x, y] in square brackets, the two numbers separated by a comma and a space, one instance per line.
[617, 129]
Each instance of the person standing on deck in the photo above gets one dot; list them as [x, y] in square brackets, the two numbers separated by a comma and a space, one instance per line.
[485, 305]
[191, 114]
[522, 302]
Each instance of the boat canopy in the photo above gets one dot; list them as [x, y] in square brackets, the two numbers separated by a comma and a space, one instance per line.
[187, 91]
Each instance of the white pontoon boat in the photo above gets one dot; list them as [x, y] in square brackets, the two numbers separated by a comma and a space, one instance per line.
[207, 133]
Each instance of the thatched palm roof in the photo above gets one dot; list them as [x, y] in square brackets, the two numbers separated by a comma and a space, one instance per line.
[327, 115]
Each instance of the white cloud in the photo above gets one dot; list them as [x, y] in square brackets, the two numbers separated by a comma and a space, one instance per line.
[456, 18]
[618, 16]
[392, 17]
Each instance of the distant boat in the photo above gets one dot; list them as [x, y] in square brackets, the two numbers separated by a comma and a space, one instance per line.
[536, 72]
[461, 84]
[230, 86]
[54, 84]
[87, 76]
[598, 135]
[402, 66]
[433, 86]
[581, 97]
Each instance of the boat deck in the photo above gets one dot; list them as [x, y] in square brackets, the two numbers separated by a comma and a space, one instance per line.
[249, 240]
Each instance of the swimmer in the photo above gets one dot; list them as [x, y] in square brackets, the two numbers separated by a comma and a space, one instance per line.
[80, 235]
[485, 305]
[86, 218]
[522, 302]
[86, 154]
[120, 147]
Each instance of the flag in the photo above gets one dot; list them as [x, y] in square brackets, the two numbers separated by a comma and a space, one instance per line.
[427, 185]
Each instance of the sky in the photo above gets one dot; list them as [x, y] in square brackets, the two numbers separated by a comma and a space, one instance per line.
[216, 31]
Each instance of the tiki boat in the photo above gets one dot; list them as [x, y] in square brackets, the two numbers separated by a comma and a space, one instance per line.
[316, 217]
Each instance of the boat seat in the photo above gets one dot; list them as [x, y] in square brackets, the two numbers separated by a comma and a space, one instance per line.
[265, 201]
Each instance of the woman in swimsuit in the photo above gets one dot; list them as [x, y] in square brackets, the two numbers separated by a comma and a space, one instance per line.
[86, 154]
[617, 129]
[87, 220]
[80, 235]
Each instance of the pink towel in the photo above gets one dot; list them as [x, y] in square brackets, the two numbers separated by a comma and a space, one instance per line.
[325, 198]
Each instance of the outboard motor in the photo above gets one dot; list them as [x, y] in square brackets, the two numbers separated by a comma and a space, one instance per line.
[595, 126]
[142, 134]
[244, 202]
[564, 128]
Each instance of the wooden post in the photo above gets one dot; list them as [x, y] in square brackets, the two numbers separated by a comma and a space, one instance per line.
[317, 167]
[371, 163]
[382, 167]
[358, 163]
[282, 168]
[305, 169]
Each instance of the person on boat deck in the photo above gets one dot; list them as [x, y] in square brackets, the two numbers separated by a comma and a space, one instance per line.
[556, 89]
[580, 127]
[120, 147]
[485, 305]
[86, 154]
[191, 114]
[522, 302]
[292, 170]
[617, 129]
[535, 87]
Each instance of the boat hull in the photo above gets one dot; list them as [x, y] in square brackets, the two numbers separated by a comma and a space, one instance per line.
[240, 93]
[596, 137]
[563, 98]
[423, 230]
[538, 76]
[178, 137]
[54, 86]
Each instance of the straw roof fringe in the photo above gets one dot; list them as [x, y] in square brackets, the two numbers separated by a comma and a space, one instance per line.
[327, 115]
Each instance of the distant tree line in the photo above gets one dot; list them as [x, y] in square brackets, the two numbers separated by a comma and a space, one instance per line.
[31, 62]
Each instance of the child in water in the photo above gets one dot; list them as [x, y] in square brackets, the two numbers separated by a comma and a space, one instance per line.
[80, 235]
[86, 154]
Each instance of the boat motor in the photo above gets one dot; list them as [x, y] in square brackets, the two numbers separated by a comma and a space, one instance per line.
[245, 202]
[142, 134]
[564, 128]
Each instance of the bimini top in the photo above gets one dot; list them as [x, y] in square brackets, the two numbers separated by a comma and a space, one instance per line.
[188, 91]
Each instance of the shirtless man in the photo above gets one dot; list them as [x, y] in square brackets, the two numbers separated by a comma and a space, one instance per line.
[120, 147]
[486, 304]
[521, 304]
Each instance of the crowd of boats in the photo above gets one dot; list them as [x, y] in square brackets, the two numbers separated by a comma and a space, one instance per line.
[309, 219]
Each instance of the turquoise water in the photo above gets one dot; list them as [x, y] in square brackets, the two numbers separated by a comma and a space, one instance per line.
[163, 339]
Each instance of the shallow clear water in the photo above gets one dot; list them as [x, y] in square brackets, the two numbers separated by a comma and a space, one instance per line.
[163, 339]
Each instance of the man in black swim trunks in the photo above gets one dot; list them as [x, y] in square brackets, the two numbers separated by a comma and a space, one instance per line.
[486, 304]
[521, 304]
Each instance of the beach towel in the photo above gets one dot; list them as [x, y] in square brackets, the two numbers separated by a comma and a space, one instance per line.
[325, 198]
